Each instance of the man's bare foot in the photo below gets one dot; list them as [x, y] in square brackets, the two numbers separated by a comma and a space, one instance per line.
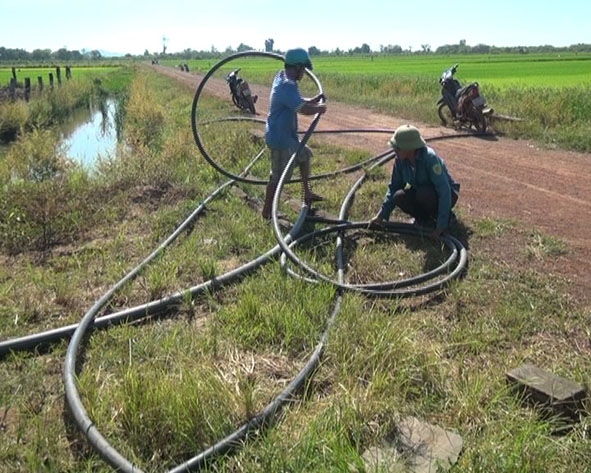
[312, 197]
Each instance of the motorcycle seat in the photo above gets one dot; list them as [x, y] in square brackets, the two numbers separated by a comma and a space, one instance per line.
[461, 91]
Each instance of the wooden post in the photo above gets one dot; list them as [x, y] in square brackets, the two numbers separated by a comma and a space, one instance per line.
[68, 73]
[27, 88]
[51, 80]
[14, 72]
[12, 88]
[58, 74]
[40, 83]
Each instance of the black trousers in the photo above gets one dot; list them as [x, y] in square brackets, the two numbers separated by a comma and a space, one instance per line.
[421, 202]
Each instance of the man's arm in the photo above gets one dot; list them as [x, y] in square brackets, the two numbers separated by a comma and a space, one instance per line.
[443, 190]
[309, 107]
[395, 184]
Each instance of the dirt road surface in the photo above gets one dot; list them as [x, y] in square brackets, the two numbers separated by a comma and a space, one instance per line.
[501, 178]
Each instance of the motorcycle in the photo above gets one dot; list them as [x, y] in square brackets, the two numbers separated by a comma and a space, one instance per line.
[462, 106]
[241, 94]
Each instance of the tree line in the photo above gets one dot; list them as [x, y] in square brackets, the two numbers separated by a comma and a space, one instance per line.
[41, 55]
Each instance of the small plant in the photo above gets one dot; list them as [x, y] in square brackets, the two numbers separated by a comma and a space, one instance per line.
[541, 246]
[207, 268]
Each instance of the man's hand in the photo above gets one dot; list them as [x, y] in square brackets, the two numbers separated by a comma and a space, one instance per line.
[319, 98]
[320, 108]
[309, 107]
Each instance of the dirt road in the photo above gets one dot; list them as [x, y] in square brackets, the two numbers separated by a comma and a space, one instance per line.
[501, 178]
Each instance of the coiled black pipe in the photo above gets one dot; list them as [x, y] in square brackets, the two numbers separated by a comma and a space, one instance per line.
[151, 308]
[269, 413]
[400, 288]
[85, 424]
[242, 178]
[50, 336]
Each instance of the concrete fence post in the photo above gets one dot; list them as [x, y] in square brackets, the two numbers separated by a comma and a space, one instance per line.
[12, 88]
[27, 88]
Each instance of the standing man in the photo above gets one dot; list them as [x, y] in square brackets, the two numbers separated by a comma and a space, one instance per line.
[281, 131]
[420, 185]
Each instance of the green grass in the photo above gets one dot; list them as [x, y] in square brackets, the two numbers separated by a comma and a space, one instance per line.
[490, 70]
[163, 390]
[502, 71]
[549, 94]
[33, 73]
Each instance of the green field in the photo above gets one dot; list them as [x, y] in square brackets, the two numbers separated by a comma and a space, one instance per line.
[34, 72]
[532, 70]
[551, 70]
[549, 94]
[171, 385]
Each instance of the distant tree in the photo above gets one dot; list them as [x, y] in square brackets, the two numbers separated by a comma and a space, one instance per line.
[13, 54]
[426, 48]
[463, 48]
[391, 49]
[481, 49]
[244, 47]
[146, 53]
[76, 55]
[313, 51]
[41, 54]
[62, 54]
[269, 45]
[580, 48]
[95, 55]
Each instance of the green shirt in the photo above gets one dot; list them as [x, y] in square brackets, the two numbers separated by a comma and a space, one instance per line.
[430, 170]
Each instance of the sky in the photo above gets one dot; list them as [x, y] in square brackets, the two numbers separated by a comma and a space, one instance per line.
[128, 26]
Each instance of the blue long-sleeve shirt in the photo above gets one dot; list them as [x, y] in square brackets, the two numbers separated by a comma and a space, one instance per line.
[429, 169]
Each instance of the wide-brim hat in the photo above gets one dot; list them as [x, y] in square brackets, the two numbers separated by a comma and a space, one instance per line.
[407, 137]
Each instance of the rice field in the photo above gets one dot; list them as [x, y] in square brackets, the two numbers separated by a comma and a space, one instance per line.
[532, 70]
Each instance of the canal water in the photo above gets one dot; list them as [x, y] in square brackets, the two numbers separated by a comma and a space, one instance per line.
[91, 134]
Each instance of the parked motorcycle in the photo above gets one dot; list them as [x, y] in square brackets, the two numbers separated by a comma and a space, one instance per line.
[241, 94]
[462, 106]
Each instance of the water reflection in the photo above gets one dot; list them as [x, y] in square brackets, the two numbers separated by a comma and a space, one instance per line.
[89, 136]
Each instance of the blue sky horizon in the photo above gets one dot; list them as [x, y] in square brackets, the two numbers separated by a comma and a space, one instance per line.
[133, 27]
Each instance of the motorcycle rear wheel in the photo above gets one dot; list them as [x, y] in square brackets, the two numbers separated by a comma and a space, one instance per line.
[445, 115]
[247, 105]
[251, 108]
[479, 120]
